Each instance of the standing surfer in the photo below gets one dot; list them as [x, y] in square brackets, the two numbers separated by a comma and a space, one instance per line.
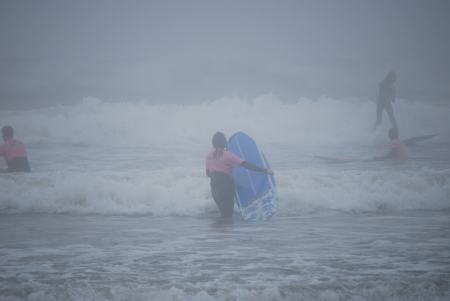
[219, 167]
[386, 96]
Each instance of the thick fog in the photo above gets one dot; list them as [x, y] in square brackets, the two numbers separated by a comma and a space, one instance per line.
[194, 51]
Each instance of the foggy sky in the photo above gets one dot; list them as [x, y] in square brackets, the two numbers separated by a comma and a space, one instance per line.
[194, 51]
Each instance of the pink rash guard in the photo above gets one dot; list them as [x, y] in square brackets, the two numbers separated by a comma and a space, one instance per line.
[12, 149]
[401, 150]
[223, 164]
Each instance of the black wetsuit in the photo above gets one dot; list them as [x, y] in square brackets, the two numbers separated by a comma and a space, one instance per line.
[385, 98]
[223, 188]
[18, 164]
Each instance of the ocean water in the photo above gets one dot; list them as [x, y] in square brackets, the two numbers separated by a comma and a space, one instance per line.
[118, 205]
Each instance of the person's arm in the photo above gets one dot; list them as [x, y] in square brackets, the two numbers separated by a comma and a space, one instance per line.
[387, 156]
[253, 167]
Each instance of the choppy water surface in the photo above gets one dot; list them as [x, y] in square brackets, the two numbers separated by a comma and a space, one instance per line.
[118, 206]
[326, 256]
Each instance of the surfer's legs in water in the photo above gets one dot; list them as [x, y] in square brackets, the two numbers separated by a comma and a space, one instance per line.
[389, 110]
[222, 190]
[224, 198]
[379, 113]
[227, 206]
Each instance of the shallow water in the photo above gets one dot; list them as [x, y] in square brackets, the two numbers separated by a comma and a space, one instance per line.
[321, 256]
[118, 206]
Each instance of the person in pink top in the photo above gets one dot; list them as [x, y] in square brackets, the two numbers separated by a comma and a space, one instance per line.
[13, 151]
[219, 167]
[398, 150]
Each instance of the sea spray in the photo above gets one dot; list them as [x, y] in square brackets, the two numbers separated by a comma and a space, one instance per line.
[323, 121]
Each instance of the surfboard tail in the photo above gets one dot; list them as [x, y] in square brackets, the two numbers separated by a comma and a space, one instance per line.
[262, 206]
[412, 140]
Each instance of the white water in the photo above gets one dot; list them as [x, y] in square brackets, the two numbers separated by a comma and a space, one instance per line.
[324, 121]
[118, 205]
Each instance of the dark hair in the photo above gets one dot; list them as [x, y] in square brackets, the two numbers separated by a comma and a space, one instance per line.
[8, 131]
[391, 76]
[219, 142]
[393, 133]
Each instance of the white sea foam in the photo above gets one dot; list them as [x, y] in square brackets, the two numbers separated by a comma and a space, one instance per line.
[266, 118]
[184, 191]
[139, 222]
[127, 158]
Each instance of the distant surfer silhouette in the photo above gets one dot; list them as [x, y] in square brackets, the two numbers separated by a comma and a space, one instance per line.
[386, 96]
[13, 151]
[219, 167]
[398, 150]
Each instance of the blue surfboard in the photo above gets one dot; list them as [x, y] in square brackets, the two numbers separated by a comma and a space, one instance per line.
[256, 192]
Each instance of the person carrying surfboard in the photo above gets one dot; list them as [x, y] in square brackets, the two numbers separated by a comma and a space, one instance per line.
[398, 150]
[13, 151]
[219, 167]
[386, 96]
